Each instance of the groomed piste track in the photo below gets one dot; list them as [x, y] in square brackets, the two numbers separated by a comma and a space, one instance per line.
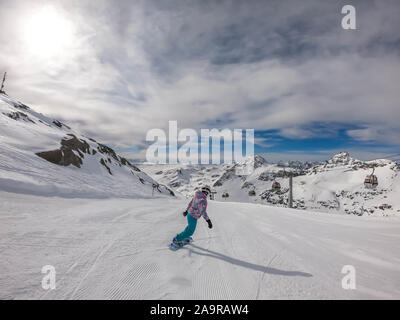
[118, 249]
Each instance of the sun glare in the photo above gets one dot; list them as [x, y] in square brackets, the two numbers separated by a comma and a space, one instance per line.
[48, 33]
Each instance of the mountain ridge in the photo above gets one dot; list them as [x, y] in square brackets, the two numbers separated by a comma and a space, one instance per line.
[41, 155]
[334, 185]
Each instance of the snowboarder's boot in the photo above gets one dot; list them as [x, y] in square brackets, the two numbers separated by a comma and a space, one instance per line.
[177, 243]
[187, 240]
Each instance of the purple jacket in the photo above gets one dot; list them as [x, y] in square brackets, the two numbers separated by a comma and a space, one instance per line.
[197, 206]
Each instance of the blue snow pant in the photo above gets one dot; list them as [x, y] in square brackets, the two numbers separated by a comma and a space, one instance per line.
[189, 230]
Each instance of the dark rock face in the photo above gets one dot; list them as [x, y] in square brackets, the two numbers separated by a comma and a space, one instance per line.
[228, 174]
[60, 124]
[73, 150]
[62, 156]
[175, 184]
[20, 105]
[275, 197]
[107, 151]
[265, 176]
[125, 162]
[65, 156]
[269, 176]
[19, 116]
[104, 164]
[75, 144]
[53, 156]
[259, 161]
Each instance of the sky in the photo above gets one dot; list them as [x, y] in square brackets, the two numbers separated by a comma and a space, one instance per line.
[287, 69]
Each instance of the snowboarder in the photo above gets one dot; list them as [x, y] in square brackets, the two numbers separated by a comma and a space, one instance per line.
[196, 208]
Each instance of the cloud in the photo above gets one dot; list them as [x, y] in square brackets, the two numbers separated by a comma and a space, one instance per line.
[385, 134]
[364, 154]
[283, 66]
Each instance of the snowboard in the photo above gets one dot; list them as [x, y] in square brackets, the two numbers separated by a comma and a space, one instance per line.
[185, 242]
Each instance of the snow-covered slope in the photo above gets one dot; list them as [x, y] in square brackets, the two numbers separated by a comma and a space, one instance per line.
[336, 185]
[118, 249]
[43, 156]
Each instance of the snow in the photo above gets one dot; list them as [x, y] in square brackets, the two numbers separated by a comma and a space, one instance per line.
[118, 249]
[22, 171]
[334, 186]
[107, 235]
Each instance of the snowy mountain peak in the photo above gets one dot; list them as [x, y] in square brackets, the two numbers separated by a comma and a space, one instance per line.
[255, 161]
[259, 161]
[342, 158]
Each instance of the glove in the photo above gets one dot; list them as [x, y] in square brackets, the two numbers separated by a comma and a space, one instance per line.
[185, 213]
[209, 223]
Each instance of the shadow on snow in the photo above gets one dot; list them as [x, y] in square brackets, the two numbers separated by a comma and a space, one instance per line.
[241, 263]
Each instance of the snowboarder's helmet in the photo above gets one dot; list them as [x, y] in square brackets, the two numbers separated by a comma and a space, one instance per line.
[206, 190]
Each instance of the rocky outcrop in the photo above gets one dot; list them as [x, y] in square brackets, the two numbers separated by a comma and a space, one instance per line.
[19, 116]
[227, 175]
[60, 124]
[63, 157]
[71, 152]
